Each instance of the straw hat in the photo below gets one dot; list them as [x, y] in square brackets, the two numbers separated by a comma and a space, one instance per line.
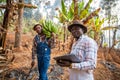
[79, 24]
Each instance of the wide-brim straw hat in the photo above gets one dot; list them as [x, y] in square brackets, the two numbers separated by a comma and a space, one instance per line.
[79, 24]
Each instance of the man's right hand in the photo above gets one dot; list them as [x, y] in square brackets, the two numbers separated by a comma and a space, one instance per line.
[64, 63]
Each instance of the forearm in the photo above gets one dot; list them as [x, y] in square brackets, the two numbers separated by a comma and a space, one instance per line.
[34, 50]
[87, 65]
[89, 61]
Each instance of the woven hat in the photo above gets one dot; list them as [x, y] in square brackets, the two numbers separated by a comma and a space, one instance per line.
[79, 24]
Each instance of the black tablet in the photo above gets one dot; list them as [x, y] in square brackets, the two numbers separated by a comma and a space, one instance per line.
[68, 57]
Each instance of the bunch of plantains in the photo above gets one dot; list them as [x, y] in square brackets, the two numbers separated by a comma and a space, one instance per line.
[49, 27]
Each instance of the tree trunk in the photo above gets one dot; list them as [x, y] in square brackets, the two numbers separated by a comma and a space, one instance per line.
[109, 21]
[19, 26]
[7, 17]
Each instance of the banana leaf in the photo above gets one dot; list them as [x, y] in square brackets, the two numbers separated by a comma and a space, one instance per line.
[88, 4]
[62, 17]
[70, 15]
[64, 11]
[80, 7]
[83, 14]
[91, 15]
[85, 11]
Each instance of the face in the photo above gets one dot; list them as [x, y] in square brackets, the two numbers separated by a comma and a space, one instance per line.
[38, 29]
[76, 31]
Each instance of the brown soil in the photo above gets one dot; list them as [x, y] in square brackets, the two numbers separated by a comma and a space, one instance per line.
[108, 65]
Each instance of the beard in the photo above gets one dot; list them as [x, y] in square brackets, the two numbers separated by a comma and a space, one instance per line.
[76, 35]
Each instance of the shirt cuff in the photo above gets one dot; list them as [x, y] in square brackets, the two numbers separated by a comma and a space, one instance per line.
[76, 66]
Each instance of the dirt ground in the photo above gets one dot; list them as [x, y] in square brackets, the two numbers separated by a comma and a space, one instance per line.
[108, 64]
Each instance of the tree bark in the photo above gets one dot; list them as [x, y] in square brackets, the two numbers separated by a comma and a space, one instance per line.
[19, 26]
[3, 6]
[6, 21]
[27, 5]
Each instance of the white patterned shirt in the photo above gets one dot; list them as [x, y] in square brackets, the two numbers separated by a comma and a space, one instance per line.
[85, 48]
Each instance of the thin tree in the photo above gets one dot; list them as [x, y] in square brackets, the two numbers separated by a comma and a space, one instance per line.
[19, 26]
[18, 32]
[107, 6]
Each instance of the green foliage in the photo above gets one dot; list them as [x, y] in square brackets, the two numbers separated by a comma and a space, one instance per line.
[83, 14]
[95, 28]
[85, 11]
[64, 14]
[26, 30]
[95, 24]
[64, 11]
[91, 33]
[2, 1]
[1, 15]
[80, 7]
[70, 14]
[12, 27]
[105, 44]
[28, 25]
[1, 12]
[98, 24]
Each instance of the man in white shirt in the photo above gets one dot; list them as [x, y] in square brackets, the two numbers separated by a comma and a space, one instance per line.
[85, 48]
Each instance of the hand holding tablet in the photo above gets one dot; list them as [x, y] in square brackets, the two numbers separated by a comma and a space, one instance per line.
[68, 57]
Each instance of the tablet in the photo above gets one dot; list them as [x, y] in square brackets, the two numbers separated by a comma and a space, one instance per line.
[68, 57]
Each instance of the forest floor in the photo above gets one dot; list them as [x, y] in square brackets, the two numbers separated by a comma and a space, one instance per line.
[108, 64]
